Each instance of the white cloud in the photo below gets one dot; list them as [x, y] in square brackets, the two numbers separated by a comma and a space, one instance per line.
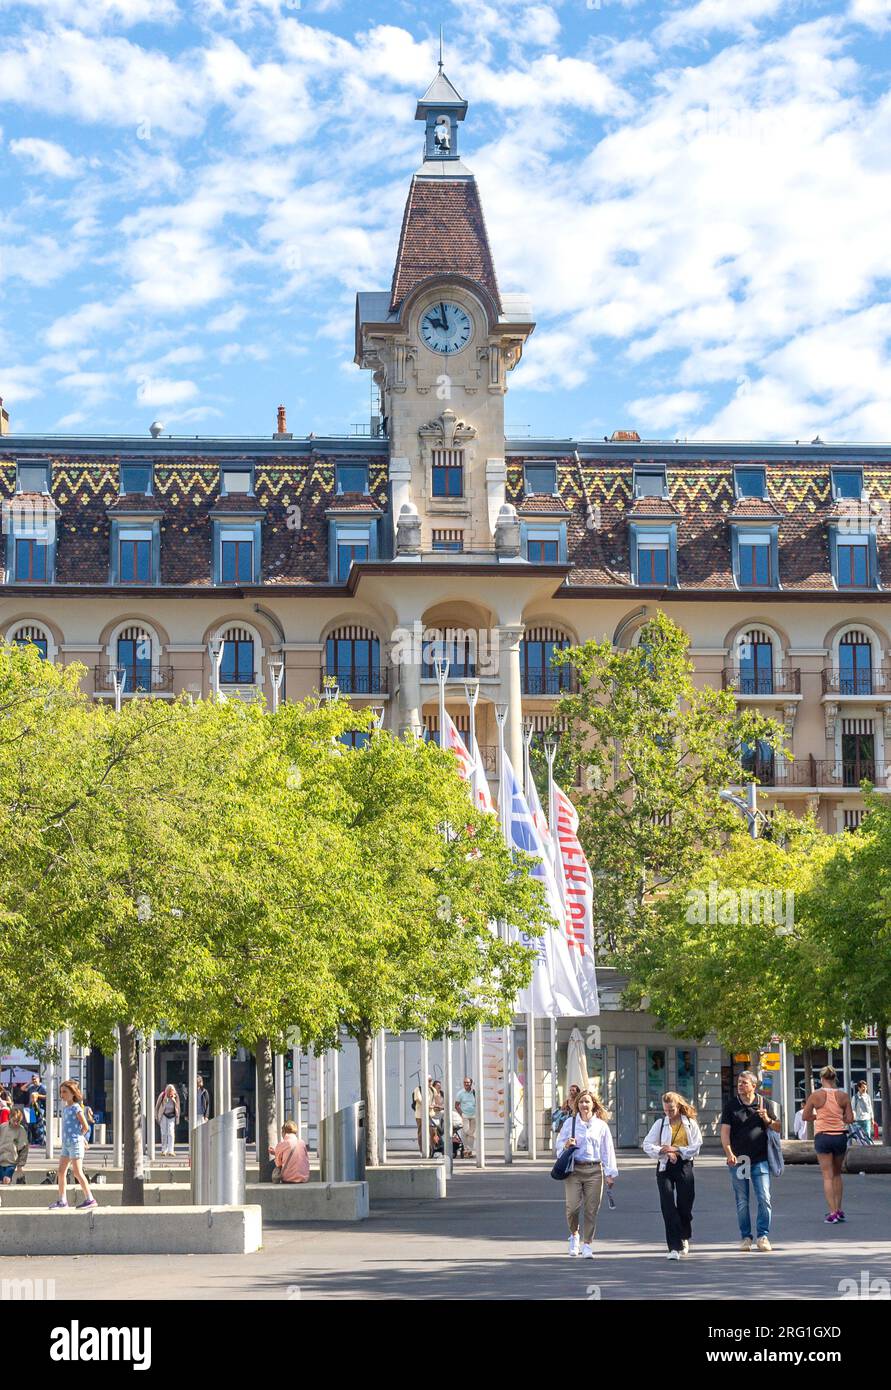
[228, 320]
[46, 157]
[672, 412]
[71, 330]
[538, 25]
[876, 14]
[160, 390]
[736, 16]
[103, 14]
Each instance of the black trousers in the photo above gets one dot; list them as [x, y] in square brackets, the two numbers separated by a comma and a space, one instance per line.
[676, 1196]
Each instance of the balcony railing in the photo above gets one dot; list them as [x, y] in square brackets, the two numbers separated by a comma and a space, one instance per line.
[819, 772]
[781, 680]
[138, 680]
[357, 680]
[560, 682]
[876, 681]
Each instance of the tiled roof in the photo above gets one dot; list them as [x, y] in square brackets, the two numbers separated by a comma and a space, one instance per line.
[542, 506]
[443, 232]
[754, 509]
[653, 509]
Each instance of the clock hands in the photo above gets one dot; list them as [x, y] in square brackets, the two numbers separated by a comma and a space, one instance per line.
[443, 317]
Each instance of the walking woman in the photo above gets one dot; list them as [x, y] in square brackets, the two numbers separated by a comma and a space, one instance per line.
[830, 1109]
[595, 1158]
[167, 1113]
[674, 1141]
[566, 1110]
[74, 1129]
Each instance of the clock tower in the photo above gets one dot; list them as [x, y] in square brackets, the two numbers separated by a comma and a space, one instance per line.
[441, 343]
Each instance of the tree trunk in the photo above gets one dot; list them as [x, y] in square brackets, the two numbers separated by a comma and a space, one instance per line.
[884, 1081]
[130, 1119]
[368, 1092]
[808, 1055]
[267, 1138]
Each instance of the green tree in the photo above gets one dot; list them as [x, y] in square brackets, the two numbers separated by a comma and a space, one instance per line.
[734, 953]
[850, 904]
[656, 750]
[428, 874]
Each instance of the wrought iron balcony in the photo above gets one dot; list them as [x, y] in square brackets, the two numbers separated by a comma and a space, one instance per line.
[780, 680]
[139, 679]
[562, 681]
[875, 681]
[357, 680]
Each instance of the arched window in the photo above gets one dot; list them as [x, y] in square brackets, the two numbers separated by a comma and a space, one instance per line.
[353, 661]
[855, 664]
[237, 666]
[134, 656]
[537, 648]
[458, 645]
[756, 663]
[31, 634]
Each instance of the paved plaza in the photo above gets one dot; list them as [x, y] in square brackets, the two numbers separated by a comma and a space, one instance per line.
[501, 1235]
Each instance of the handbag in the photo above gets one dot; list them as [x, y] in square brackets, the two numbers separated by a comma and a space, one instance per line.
[565, 1161]
[775, 1161]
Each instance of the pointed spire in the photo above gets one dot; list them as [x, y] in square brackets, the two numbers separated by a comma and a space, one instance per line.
[440, 48]
[441, 108]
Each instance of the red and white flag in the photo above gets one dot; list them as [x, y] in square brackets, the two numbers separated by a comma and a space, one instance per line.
[576, 888]
[468, 761]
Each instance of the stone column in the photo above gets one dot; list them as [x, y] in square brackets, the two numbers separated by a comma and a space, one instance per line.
[405, 652]
[509, 638]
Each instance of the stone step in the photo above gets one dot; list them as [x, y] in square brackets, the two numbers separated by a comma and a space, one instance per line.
[117, 1230]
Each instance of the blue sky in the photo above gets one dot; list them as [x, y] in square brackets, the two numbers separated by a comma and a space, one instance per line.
[697, 196]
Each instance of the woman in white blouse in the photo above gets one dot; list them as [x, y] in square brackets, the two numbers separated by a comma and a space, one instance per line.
[595, 1158]
[674, 1141]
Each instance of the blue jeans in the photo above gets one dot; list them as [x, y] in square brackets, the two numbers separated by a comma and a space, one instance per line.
[760, 1180]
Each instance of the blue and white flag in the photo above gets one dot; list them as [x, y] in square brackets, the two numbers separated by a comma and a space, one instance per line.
[556, 990]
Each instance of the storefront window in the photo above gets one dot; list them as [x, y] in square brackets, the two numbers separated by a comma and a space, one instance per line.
[686, 1073]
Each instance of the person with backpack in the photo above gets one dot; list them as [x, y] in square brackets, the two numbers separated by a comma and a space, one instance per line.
[831, 1111]
[745, 1121]
[587, 1133]
[202, 1102]
[674, 1141]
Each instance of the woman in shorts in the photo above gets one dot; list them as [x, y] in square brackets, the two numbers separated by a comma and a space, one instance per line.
[830, 1110]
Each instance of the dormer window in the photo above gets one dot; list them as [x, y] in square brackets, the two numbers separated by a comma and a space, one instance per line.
[847, 484]
[237, 481]
[136, 480]
[540, 479]
[32, 477]
[650, 482]
[750, 482]
[351, 477]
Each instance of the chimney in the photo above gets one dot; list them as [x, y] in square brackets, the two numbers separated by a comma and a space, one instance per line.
[281, 424]
[624, 437]
[4, 418]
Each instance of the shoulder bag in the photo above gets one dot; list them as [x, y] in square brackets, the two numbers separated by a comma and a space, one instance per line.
[564, 1164]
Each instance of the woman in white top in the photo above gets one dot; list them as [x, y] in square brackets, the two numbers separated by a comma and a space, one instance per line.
[861, 1104]
[674, 1141]
[594, 1158]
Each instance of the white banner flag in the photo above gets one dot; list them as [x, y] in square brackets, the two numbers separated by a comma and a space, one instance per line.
[469, 760]
[577, 891]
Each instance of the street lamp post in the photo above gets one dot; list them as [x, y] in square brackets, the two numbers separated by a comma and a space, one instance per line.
[118, 680]
[215, 648]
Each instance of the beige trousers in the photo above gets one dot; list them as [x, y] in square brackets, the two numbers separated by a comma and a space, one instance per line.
[468, 1130]
[583, 1188]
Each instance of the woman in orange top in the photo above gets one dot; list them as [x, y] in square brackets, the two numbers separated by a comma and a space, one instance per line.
[291, 1155]
[830, 1110]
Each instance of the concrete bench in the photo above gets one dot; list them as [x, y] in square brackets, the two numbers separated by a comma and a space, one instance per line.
[799, 1151]
[116, 1230]
[875, 1158]
[316, 1201]
[406, 1182]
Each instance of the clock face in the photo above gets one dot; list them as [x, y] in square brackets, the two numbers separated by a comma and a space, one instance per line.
[446, 327]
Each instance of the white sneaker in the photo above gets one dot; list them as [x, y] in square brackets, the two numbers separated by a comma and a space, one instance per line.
[587, 1252]
[573, 1245]
[685, 1247]
[674, 1255]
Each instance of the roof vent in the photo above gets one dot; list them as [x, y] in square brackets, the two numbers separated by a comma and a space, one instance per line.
[624, 437]
[818, 440]
[156, 429]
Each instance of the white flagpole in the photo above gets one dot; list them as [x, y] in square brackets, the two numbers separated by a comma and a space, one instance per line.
[425, 1099]
[507, 1050]
[480, 1099]
[447, 1110]
[531, 1144]
[471, 695]
[550, 754]
[382, 1097]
